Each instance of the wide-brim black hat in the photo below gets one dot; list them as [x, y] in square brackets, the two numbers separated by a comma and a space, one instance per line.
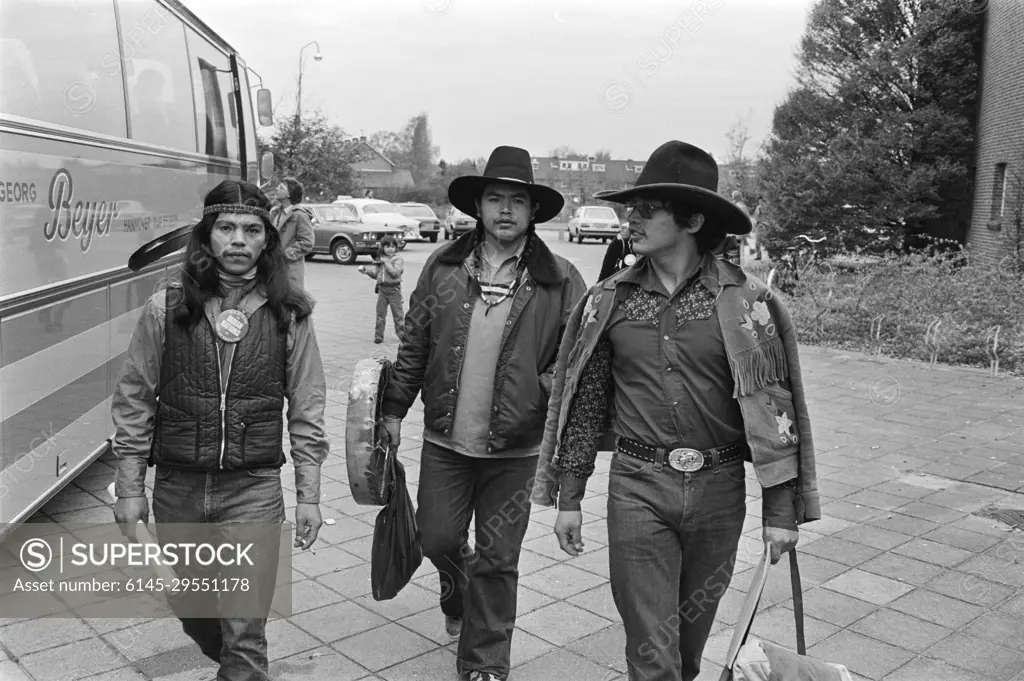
[680, 171]
[510, 165]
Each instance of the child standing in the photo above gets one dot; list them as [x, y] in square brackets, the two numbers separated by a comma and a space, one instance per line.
[387, 271]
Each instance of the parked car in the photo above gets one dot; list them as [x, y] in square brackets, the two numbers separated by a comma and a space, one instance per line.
[384, 214]
[457, 223]
[430, 224]
[339, 233]
[597, 222]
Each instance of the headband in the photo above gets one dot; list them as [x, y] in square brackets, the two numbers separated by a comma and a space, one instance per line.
[236, 208]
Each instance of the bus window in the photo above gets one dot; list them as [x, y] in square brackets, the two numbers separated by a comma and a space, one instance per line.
[211, 75]
[159, 83]
[55, 67]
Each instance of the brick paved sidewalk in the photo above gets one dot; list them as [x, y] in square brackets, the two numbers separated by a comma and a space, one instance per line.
[905, 578]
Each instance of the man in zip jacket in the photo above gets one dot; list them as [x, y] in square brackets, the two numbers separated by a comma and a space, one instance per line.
[481, 338]
[201, 398]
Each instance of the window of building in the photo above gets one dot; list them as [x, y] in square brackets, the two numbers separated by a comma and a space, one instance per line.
[215, 101]
[155, 61]
[59, 64]
[599, 167]
[999, 192]
[638, 169]
[535, 165]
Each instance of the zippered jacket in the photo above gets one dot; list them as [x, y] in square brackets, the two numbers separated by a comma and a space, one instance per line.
[182, 403]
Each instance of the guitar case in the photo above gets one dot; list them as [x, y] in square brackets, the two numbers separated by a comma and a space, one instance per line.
[368, 450]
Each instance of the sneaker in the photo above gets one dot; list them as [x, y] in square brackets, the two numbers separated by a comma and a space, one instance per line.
[483, 676]
[453, 625]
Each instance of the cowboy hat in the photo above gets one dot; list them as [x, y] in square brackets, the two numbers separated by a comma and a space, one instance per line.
[510, 165]
[682, 172]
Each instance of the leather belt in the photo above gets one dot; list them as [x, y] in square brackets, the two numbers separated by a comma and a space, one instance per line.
[683, 459]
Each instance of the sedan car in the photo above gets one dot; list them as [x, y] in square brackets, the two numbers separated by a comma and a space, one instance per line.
[596, 222]
[430, 225]
[457, 223]
[339, 233]
[384, 214]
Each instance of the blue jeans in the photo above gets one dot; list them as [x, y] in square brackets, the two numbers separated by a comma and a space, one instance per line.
[672, 538]
[480, 586]
[254, 496]
[389, 296]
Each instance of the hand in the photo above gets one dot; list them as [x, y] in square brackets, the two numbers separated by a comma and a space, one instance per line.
[781, 541]
[128, 511]
[394, 428]
[568, 529]
[307, 524]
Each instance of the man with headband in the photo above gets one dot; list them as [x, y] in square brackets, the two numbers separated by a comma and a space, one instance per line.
[201, 396]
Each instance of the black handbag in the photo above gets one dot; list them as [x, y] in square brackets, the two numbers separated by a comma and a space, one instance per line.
[396, 551]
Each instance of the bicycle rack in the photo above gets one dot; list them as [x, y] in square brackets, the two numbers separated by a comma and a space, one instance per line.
[993, 350]
[876, 333]
[931, 340]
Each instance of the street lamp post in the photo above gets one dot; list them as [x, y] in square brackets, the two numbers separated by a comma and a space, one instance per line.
[316, 57]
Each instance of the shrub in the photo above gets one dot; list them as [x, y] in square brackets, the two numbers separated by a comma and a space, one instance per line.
[900, 297]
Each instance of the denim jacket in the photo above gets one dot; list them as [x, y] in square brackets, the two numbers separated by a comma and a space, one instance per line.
[760, 341]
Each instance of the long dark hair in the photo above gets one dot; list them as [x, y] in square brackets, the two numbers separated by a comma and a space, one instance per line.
[200, 278]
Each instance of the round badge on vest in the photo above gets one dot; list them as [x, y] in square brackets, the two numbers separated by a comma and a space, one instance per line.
[232, 326]
[629, 259]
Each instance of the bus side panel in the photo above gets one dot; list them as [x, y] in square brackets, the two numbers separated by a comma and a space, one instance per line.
[60, 357]
[75, 211]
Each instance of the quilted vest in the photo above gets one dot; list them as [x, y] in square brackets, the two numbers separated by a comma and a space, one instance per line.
[192, 430]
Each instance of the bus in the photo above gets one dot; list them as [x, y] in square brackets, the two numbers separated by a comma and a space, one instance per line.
[116, 118]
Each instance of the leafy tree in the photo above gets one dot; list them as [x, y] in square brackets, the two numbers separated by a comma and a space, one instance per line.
[314, 152]
[875, 144]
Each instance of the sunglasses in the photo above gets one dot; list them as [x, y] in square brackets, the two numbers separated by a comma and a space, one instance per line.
[646, 208]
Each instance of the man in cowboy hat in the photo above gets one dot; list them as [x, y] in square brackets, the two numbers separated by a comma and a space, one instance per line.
[692, 365]
[482, 334]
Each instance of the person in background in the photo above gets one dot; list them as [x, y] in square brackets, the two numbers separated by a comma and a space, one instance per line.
[230, 332]
[387, 272]
[619, 254]
[295, 229]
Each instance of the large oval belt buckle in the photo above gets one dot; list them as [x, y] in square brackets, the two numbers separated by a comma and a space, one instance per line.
[686, 460]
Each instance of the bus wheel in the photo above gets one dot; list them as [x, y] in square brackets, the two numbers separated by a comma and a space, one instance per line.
[342, 252]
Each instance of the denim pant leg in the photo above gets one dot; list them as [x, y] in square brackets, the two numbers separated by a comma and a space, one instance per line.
[395, 303]
[502, 509]
[715, 509]
[250, 497]
[645, 508]
[179, 497]
[443, 511]
[382, 316]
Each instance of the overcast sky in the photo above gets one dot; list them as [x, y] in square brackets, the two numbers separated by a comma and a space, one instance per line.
[624, 75]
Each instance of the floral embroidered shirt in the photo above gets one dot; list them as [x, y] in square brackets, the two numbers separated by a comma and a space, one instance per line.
[673, 384]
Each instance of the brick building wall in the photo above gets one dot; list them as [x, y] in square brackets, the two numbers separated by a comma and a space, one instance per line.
[1000, 154]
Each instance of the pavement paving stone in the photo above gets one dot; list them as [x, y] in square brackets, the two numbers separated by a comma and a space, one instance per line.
[937, 608]
[902, 630]
[974, 588]
[975, 542]
[385, 646]
[933, 552]
[905, 524]
[902, 568]
[868, 586]
[928, 669]
[875, 537]
[979, 656]
[841, 551]
[861, 654]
